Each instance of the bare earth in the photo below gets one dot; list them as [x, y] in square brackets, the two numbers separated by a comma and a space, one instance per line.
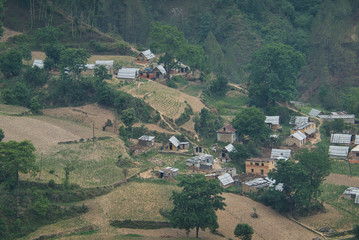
[8, 34]
[340, 179]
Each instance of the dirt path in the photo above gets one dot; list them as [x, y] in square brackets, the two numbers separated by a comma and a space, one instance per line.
[340, 179]
[238, 87]
[8, 34]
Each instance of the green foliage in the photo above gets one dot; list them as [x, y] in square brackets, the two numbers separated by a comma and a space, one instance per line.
[207, 123]
[273, 74]
[35, 105]
[35, 76]
[101, 73]
[351, 101]
[356, 231]
[243, 231]
[128, 117]
[2, 135]
[185, 116]
[53, 51]
[47, 35]
[11, 63]
[195, 206]
[251, 122]
[336, 126]
[19, 94]
[219, 85]
[242, 153]
[215, 55]
[73, 61]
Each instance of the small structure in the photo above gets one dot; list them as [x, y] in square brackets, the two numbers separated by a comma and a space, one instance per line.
[344, 139]
[356, 140]
[278, 154]
[160, 72]
[308, 129]
[272, 121]
[347, 118]
[204, 161]
[145, 56]
[229, 170]
[354, 155]
[339, 152]
[180, 68]
[256, 184]
[352, 193]
[38, 63]
[197, 150]
[314, 112]
[128, 73]
[90, 66]
[295, 120]
[298, 138]
[226, 180]
[107, 63]
[224, 155]
[157, 73]
[259, 165]
[227, 134]
[146, 140]
[168, 172]
[174, 144]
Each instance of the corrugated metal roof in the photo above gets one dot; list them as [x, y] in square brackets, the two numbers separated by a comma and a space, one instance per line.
[314, 112]
[338, 151]
[107, 63]
[299, 135]
[280, 154]
[302, 126]
[148, 54]
[174, 141]
[298, 119]
[230, 148]
[272, 119]
[259, 183]
[344, 116]
[172, 169]
[310, 131]
[128, 73]
[225, 179]
[341, 138]
[351, 191]
[161, 69]
[357, 139]
[356, 149]
[356, 198]
[146, 138]
[39, 63]
[90, 66]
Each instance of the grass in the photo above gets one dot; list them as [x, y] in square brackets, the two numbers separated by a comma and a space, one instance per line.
[93, 166]
[164, 160]
[193, 90]
[230, 104]
[332, 194]
[341, 167]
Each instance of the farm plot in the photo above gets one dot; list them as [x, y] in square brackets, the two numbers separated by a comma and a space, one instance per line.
[159, 160]
[167, 101]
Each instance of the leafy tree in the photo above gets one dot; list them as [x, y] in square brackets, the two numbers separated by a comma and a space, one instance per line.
[207, 123]
[356, 231]
[35, 105]
[35, 76]
[195, 206]
[128, 117]
[68, 168]
[53, 51]
[11, 63]
[273, 74]
[47, 35]
[73, 61]
[215, 55]
[15, 157]
[19, 94]
[251, 122]
[101, 73]
[219, 85]
[243, 231]
[2, 135]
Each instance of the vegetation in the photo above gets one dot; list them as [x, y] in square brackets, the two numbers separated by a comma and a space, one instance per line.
[207, 124]
[243, 231]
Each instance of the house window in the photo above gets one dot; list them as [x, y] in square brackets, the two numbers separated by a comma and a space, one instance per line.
[251, 163]
[262, 172]
[257, 164]
[357, 154]
[148, 75]
[252, 170]
[262, 164]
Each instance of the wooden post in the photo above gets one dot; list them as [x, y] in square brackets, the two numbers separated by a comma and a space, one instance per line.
[93, 134]
[40, 166]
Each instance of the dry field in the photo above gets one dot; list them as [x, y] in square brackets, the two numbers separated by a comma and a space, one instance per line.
[8, 34]
[340, 179]
[168, 101]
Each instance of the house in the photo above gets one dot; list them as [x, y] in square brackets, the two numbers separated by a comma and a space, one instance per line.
[128, 73]
[90, 66]
[145, 56]
[259, 165]
[38, 63]
[298, 138]
[224, 154]
[229, 170]
[344, 139]
[107, 63]
[347, 118]
[160, 72]
[314, 112]
[278, 154]
[168, 172]
[204, 161]
[226, 180]
[157, 73]
[356, 140]
[308, 129]
[227, 134]
[146, 140]
[256, 184]
[180, 68]
[197, 150]
[352, 193]
[175, 144]
[295, 120]
[354, 155]
[339, 152]
[272, 121]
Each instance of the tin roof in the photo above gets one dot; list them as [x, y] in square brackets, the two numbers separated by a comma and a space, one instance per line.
[146, 138]
[280, 154]
[161, 69]
[272, 119]
[230, 148]
[260, 183]
[298, 119]
[338, 116]
[314, 112]
[338, 151]
[341, 138]
[148, 54]
[174, 141]
[351, 191]
[356, 149]
[107, 63]
[302, 126]
[356, 139]
[225, 179]
[310, 131]
[39, 63]
[128, 73]
[299, 135]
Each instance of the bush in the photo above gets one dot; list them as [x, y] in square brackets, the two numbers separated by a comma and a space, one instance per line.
[244, 231]
[356, 231]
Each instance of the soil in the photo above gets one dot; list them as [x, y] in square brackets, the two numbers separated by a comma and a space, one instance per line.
[340, 179]
[8, 34]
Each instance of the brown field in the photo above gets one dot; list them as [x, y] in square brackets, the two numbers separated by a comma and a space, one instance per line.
[8, 34]
[340, 179]
[37, 55]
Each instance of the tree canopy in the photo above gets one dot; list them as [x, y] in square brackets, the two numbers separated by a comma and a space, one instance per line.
[73, 61]
[273, 74]
[195, 205]
[11, 63]
[243, 231]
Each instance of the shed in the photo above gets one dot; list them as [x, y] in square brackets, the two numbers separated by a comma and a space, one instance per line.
[295, 120]
[279, 154]
[229, 170]
[314, 112]
[107, 63]
[146, 140]
[145, 56]
[341, 138]
[128, 73]
[272, 120]
[204, 161]
[256, 184]
[226, 180]
[90, 66]
[298, 138]
[347, 118]
[356, 140]
[224, 154]
[339, 152]
[354, 155]
[38, 63]
[168, 172]
[352, 193]
[197, 150]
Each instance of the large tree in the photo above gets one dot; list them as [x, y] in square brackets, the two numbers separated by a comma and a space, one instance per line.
[251, 122]
[273, 74]
[15, 157]
[11, 63]
[73, 61]
[195, 205]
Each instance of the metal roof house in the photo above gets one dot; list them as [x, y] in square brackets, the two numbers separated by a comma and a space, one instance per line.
[298, 138]
[107, 63]
[356, 140]
[341, 138]
[352, 193]
[279, 154]
[226, 180]
[295, 120]
[354, 155]
[224, 154]
[314, 112]
[203, 161]
[146, 140]
[175, 144]
[145, 56]
[128, 73]
[90, 66]
[272, 121]
[168, 172]
[339, 152]
[347, 118]
[38, 63]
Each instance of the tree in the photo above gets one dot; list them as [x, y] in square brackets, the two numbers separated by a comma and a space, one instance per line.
[11, 63]
[207, 123]
[68, 168]
[243, 231]
[73, 61]
[128, 117]
[251, 122]
[356, 231]
[35, 76]
[101, 73]
[195, 205]
[219, 85]
[215, 55]
[15, 157]
[53, 51]
[2, 135]
[273, 74]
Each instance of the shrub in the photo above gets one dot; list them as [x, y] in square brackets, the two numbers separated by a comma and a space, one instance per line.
[243, 231]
